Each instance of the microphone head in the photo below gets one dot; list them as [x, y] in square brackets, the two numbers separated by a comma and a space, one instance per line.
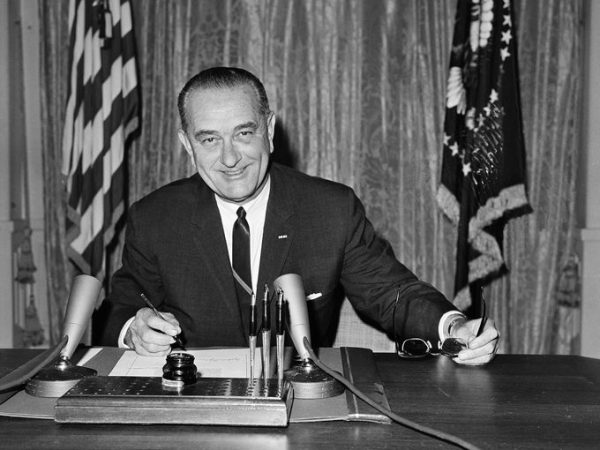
[299, 327]
[81, 303]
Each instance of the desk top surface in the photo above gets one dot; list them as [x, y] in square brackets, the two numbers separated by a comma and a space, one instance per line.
[517, 401]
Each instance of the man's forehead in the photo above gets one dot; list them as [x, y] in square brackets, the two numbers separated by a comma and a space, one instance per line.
[221, 104]
[240, 96]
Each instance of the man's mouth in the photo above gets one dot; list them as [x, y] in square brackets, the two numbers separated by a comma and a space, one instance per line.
[234, 173]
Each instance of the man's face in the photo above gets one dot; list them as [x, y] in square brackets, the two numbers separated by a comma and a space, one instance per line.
[228, 142]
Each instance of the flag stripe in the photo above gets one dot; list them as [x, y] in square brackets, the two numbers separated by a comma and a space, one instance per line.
[102, 112]
[94, 177]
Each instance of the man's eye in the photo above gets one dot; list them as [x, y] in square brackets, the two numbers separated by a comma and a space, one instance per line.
[245, 136]
[208, 140]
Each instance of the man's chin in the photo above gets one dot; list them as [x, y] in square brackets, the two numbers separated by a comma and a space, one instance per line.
[240, 195]
[235, 197]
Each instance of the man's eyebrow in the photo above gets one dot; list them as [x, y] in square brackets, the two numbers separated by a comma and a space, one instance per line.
[198, 134]
[249, 124]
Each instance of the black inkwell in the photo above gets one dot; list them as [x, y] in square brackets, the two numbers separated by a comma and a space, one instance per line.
[179, 370]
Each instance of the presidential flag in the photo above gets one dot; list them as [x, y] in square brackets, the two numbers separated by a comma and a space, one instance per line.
[483, 166]
[102, 113]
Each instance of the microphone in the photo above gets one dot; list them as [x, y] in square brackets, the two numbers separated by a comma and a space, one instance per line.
[308, 380]
[80, 305]
[54, 381]
[293, 289]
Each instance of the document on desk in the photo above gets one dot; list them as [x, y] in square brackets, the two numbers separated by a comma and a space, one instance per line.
[211, 363]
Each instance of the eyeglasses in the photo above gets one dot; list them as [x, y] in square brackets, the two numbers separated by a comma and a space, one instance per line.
[413, 348]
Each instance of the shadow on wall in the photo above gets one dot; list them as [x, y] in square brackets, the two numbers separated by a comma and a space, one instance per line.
[283, 153]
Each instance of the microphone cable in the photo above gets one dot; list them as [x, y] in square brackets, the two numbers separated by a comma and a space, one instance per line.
[437, 434]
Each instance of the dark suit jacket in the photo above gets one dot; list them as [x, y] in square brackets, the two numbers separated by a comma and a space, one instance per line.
[175, 252]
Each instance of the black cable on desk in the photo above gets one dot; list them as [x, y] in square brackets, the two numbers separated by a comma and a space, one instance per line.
[441, 435]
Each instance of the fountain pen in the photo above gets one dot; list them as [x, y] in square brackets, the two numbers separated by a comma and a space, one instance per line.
[266, 334]
[252, 334]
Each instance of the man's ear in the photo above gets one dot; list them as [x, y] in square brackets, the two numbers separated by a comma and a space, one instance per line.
[183, 138]
[271, 129]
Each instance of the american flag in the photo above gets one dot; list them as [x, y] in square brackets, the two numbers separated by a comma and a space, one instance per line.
[483, 168]
[102, 112]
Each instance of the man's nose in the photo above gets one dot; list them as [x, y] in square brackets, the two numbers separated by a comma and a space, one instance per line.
[229, 155]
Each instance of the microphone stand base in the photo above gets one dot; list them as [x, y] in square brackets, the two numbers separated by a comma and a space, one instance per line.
[310, 382]
[56, 380]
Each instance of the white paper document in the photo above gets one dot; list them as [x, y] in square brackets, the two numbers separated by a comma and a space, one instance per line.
[211, 363]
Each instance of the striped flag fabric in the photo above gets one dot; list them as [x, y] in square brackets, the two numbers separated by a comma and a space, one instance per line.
[102, 113]
[483, 165]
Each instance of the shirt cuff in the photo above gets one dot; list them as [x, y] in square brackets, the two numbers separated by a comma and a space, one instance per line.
[447, 321]
[121, 340]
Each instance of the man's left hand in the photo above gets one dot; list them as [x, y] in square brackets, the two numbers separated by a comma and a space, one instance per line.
[480, 349]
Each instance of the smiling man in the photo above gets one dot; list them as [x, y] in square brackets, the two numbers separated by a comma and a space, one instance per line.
[229, 138]
[199, 248]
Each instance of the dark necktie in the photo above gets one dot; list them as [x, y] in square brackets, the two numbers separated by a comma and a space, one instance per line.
[241, 258]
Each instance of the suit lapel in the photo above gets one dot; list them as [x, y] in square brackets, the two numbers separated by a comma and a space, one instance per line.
[207, 235]
[278, 232]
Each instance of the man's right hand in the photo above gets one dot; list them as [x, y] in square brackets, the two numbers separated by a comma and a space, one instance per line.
[149, 335]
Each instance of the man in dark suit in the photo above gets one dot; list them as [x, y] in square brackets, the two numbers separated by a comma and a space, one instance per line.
[180, 252]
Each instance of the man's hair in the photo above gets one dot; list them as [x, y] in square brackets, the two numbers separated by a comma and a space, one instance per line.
[222, 77]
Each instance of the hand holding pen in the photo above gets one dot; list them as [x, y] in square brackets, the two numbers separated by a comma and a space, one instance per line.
[474, 342]
[160, 315]
[151, 333]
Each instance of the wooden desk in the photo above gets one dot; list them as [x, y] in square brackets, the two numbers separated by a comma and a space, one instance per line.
[515, 402]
